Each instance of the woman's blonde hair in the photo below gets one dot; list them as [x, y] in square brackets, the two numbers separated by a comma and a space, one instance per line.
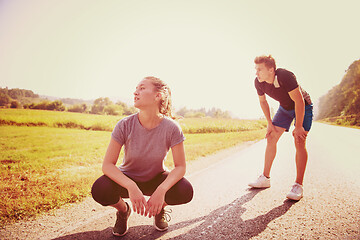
[165, 102]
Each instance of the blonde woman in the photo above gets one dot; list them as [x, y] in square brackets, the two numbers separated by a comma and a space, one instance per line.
[147, 136]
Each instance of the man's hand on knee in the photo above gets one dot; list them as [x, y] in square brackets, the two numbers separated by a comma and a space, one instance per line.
[299, 134]
[270, 129]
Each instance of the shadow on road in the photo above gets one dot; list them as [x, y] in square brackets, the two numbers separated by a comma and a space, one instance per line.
[222, 223]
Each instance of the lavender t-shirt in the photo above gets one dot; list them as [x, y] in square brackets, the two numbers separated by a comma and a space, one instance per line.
[145, 150]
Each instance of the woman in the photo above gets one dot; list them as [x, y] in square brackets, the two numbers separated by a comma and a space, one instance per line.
[147, 137]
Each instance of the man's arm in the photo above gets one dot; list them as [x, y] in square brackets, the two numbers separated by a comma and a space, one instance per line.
[296, 96]
[266, 110]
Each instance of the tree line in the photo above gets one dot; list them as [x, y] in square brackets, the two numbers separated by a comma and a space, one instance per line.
[202, 112]
[16, 97]
[27, 99]
[21, 98]
[344, 98]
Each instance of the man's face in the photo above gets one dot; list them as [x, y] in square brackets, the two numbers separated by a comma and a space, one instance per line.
[263, 73]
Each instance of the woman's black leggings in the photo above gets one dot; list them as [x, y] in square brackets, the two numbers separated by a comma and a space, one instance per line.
[107, 192]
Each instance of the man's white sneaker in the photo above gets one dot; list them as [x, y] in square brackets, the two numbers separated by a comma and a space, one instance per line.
[261, 182]
[296, 192]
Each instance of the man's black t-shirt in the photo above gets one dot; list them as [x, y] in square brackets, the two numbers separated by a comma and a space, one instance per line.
[285, 82]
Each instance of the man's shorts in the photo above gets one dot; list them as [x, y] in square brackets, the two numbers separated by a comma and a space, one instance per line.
[283, 118]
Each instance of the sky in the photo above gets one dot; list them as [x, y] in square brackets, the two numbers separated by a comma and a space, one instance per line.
[204, 50]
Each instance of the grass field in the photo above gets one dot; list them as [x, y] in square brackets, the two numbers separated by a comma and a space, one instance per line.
[23, 117]
[352, 121]
[45, 166]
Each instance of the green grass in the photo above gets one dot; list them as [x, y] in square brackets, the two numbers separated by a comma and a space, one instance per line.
[352, 121]
[43, 168]
[25, 117]
[215, 125]
[200, 145]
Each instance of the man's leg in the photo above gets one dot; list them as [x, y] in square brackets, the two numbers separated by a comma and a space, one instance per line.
[301, 160]
[264, 180]
[301, 152]
[296, 192]
[301, 157]
[271, 149]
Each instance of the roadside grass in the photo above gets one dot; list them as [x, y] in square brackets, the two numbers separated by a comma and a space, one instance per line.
[352, 121]
[219, 125]
[204, 144]
[26, 117]
[43, 168]
[43, 118]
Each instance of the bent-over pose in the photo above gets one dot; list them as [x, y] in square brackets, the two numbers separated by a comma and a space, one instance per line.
[295, 103]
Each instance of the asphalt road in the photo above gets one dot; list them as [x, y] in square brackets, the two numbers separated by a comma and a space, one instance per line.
[225, 208]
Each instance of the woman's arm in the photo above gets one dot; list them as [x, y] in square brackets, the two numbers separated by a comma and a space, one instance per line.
[157, 199]
[109, 169]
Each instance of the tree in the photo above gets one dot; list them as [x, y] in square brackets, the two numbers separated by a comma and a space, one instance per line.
[46, 105]
[15, 104]
[343, 99]
[4, 99]
[80, 108]
[191, 114]
[55, 105]
[213, 112]
[99, 105]
[113, 110]
[182, 111]
[127, 110]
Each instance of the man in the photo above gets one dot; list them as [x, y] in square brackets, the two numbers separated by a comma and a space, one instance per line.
[281, 85]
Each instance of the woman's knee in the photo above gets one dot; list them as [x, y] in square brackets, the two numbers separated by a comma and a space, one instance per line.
[181, 193]
[187, 191]
[105, 191]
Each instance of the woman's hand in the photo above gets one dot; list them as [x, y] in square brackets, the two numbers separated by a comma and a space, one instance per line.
[137, 200]
[155, 203]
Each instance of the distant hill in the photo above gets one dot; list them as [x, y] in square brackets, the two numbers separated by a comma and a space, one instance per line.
[18, 96]
[68, 101]
[344, 98]
[23, 96]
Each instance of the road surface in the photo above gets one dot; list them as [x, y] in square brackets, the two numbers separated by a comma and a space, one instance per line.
[225, 208]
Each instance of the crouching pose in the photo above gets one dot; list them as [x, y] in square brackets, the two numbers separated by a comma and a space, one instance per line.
[147, 137]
